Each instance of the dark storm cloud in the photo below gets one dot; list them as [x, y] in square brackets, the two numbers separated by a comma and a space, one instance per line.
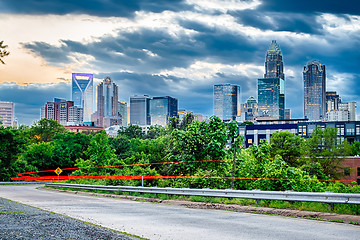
[312, 6]
[296, 22]
[30, 98]
[149, 50]
[125, 8]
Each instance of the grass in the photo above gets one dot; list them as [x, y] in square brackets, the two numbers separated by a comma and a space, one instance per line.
[14, 212]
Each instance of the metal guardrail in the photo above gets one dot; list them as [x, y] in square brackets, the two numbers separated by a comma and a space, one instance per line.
[327, 197]
[15, 183]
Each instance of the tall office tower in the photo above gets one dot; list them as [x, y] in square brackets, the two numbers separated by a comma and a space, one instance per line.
[139, 110]
[314, 91]
[107, 102]
[7, 114]
[162, 109]
[83, 93]
[287, 114]
[122, 111]
[332, 101]
[62, 111]
[249, 109]
[274, 64]
[227, 101]
[271, 88]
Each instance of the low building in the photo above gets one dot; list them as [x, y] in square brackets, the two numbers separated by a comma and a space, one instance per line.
[83, 128]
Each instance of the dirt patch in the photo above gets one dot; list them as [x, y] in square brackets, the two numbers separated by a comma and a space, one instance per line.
[345, 218]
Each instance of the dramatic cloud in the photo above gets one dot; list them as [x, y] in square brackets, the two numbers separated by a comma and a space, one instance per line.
[176, 48]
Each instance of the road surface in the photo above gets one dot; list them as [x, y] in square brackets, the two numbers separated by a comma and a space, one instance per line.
[165, 221]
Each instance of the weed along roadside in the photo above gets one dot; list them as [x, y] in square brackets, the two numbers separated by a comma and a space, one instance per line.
[308, 210]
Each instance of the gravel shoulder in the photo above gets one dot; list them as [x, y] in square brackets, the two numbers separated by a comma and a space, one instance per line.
[344, 218]
[18, 221]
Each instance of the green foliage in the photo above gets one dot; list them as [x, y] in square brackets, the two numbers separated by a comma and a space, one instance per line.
[44, 130]
[288, 146]
[12, 144]
[324, 148]
[131, 131]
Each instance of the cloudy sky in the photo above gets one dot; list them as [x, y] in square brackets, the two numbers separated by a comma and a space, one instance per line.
[179, 48]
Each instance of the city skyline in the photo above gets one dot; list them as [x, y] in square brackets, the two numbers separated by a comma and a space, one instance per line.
[176, 48]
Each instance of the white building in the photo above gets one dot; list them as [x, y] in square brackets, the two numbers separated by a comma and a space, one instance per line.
[7, 114]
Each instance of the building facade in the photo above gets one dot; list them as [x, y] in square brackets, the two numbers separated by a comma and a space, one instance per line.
[62, 111]
[107, 103]
[122, 112]
[83, 93]
[271, 88]
[314, 91]
[7, 114]
[140, 110]
[227, 101]
[162, 109]
[249, 110]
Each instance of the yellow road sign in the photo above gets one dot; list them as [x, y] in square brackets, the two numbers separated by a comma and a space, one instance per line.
[58, 171]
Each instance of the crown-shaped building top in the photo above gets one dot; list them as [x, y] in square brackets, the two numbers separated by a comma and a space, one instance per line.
[274, 48]
[274, 64]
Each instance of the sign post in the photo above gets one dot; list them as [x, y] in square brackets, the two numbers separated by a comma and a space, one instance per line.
[58, 171]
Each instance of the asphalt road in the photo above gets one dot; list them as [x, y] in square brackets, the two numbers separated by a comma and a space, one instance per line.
[163, 221]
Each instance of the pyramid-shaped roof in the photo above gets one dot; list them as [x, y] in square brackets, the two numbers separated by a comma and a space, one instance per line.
[274, 48]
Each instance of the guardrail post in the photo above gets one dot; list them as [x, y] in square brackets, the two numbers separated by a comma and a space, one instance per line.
[331, 206]
[142, 181]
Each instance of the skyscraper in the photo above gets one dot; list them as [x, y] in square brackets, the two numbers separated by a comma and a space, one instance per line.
[140, 110]
[62, 111]
[271, 88]
[7, 114]
[162, 109]
[83, 93]
[107, 100]
[226, 101]
[122, 111]
[314, 91]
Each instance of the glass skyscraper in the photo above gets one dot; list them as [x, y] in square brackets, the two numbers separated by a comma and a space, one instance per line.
[163, 108]
[107, 98]
[83, 93]
[140, 110]
[314, 91]
[271, 88]
[226, 101]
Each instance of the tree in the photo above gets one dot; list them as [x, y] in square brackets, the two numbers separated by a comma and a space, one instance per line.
[3, 52]
[45, 129]
[323, 147]
[132, 131]
[287, 145]
[11, 145]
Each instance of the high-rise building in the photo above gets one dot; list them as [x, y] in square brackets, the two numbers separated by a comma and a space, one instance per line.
[227, 101]
[122, 111]
[162, 109]
[7, 114]
[271, 88]
[287, 114]
[62, 111]
[140, 110]
[83, 93]
[274, 64]
[314, 91]
[249, 110]
[107, 102]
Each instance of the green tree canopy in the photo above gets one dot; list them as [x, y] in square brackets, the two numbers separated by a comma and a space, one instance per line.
[324, 147]
[45, 129]
[287, 145]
